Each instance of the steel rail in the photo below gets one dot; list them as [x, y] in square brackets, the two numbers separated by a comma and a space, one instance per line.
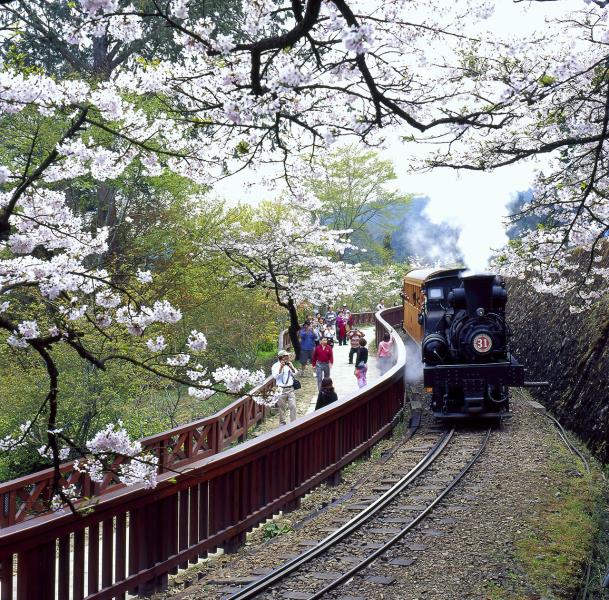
[563, 434]
[385, 457]
[398, 536]
[345, 530]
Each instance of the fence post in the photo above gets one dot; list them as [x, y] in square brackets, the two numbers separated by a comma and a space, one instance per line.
[36, 573]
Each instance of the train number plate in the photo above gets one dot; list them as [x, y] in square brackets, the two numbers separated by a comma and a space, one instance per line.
[482, 343]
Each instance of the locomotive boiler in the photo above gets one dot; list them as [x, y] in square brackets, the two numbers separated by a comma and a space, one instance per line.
[458, 318]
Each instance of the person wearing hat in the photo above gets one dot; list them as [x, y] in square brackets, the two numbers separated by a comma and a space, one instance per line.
[283, 372]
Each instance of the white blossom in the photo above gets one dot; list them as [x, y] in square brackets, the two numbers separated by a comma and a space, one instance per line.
[196, 341]
[157, 345]
[236, 379]
[179, 360]
[4, 174]
[359, 39]
[200, 394]
[144, 276]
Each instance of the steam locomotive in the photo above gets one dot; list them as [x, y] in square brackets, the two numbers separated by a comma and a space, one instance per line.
[459, 320]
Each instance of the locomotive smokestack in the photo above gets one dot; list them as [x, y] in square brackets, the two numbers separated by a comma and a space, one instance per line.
[478, 293]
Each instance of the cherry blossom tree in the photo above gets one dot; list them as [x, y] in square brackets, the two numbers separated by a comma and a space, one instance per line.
[276, 83]
[559, 101]
[284, 250]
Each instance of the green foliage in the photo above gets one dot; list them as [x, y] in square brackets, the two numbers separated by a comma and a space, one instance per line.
[355, 193]
[546, 80]
[559, 540]
[241, 327]
[381, 281]
[273, 529]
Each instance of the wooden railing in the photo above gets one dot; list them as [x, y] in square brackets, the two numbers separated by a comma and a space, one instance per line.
[28, 496]
[135, 538]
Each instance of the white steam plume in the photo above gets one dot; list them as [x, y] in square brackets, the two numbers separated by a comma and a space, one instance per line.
[476, 203]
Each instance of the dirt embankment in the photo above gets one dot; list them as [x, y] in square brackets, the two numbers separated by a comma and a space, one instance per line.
[571, 351]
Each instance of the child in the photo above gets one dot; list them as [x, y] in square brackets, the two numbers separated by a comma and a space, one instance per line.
[385, 354]
[329, 334]
[354, 336]
[361, 364]
[326, 395]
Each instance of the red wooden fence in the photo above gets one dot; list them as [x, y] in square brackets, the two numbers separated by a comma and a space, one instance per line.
[135, 537]
[28, 496]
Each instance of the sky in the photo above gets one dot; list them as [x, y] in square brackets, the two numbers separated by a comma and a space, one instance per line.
[472, 201]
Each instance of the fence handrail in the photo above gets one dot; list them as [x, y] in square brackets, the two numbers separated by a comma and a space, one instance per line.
[134, 538]
[20, 536]
[175, 448]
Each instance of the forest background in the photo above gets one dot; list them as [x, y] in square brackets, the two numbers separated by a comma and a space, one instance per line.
[162, 224]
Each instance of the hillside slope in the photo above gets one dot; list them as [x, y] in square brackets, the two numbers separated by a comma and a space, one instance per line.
[571, 351]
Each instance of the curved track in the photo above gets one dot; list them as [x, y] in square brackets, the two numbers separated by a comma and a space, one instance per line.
[347, 546]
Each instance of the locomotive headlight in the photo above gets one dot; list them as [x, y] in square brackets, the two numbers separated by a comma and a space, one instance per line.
[480, 312]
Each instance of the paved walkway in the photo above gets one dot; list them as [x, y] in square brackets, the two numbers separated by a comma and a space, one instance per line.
[341, 373]
[342, 377]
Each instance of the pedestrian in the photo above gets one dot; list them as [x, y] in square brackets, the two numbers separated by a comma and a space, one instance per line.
[329, 334]
[350, 321]
[361, 364]
[283, 372]
[326, 395]
[354, 336]
[380, 305]
[319, 329]
[341, 328]
[307, 345]
[385, 354]
[330, 316]
[323, 359]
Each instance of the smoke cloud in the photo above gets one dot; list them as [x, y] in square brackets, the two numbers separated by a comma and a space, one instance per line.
[416, 235]
[474, 204]
[414, 366]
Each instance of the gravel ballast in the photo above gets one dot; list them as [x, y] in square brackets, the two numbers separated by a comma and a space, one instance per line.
[468, 548]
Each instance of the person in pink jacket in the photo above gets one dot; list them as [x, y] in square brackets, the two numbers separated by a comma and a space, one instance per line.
[385, 354]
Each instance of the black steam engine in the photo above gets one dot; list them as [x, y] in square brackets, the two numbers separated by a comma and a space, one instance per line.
[465, 344]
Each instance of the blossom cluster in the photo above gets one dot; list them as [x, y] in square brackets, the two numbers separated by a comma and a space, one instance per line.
[114, 442]
[236, 379]
[292, 254]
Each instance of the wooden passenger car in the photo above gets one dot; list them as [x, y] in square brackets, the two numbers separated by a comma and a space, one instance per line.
[414, 300]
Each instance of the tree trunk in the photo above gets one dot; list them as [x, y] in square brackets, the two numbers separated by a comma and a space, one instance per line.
[294, 328]
[106, 194]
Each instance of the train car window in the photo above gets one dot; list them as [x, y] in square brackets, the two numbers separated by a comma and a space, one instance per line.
[435, 293]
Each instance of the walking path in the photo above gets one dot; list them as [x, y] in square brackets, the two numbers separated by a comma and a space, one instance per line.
[342, 374]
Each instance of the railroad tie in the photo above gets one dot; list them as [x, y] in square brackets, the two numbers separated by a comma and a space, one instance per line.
[417, 547]
[328, 576]
[380, 579]
[297, 596]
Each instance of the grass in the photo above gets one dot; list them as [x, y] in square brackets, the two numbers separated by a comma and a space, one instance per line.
[552, 553]
[273, 529]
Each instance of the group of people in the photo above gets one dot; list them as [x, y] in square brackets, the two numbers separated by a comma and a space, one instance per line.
[334, 326]
[317, 338]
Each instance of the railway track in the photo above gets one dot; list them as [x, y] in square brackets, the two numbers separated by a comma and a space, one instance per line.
[381, 531]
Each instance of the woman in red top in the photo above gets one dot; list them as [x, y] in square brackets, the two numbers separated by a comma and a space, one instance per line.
[321, 361]
[341, 328]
